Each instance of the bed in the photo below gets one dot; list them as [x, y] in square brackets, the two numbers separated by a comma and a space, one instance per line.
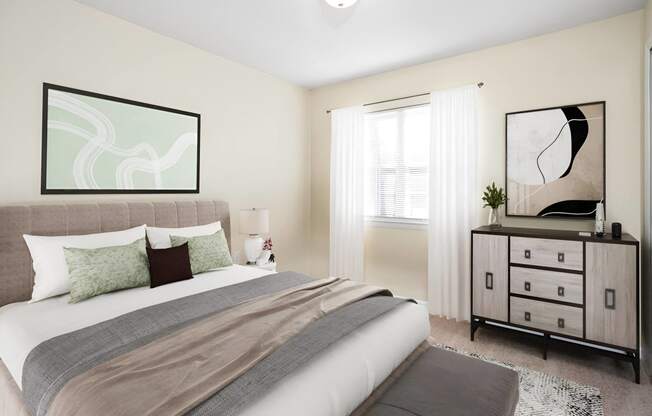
[334, 381]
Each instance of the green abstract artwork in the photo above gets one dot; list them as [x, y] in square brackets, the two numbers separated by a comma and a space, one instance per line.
[93, 143]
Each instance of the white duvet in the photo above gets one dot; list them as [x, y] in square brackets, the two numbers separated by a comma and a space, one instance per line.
[333, 384]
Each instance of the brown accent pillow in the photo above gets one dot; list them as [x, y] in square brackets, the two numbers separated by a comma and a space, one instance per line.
[169, 265]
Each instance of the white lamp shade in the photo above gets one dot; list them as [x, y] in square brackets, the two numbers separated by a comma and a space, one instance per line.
[254, 221]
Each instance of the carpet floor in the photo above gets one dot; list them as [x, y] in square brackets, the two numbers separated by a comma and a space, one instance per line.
[621, 396]
[542, 394]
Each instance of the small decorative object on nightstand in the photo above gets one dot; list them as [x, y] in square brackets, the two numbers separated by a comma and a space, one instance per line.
[266, 255]
[254, 222]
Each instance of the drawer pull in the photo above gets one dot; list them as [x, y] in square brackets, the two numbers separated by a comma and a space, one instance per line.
[560, 291]
[560, 323]
[610, 298]
[527, 254]
[560, 257]
[527, 316]
[489, 281]
[527, 286]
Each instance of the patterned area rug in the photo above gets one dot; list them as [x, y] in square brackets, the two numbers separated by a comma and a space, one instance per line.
[542, 394]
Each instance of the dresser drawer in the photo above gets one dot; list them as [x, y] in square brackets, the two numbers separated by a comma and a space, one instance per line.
[550, 317]
[561, 254]
[565, 287]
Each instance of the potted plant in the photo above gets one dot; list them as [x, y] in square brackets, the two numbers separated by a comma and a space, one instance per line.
[493, 197]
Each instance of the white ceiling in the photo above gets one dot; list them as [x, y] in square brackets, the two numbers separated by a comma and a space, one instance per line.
[312, 44]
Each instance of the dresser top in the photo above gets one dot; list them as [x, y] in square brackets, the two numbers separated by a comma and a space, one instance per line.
[555, 234]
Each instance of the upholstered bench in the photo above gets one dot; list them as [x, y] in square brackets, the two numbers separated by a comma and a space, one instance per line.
[443, 383]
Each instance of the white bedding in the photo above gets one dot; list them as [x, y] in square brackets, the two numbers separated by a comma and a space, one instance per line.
[334, 383]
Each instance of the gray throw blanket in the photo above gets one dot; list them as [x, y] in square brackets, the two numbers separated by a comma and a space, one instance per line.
[55, 362]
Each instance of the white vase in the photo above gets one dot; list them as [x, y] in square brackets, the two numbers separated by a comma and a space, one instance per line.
[494, 218]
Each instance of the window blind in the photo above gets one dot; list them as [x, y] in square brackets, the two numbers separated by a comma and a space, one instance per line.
[396, 163]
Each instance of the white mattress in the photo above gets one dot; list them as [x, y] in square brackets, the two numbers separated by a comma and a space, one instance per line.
[334, 383]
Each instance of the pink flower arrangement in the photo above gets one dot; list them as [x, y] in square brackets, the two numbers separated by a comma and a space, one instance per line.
[268, 244]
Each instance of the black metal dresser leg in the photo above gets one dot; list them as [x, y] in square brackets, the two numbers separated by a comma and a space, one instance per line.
[546, 341]
[636, 362]
[474, 326]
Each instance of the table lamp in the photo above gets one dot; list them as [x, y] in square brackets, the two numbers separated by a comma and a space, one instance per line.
[254, 222]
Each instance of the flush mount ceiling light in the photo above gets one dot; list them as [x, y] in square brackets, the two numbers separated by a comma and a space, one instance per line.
[341, 4]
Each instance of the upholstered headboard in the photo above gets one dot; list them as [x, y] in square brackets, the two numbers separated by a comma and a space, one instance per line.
[16, 274]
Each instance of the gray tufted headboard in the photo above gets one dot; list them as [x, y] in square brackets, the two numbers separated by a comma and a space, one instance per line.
[16, 274]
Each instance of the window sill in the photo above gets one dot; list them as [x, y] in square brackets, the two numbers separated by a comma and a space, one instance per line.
[404, 223]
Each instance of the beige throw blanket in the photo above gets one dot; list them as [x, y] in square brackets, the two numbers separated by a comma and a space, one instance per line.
[175, 373]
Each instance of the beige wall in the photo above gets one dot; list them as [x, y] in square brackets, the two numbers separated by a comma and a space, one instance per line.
[598, 61]
[648, 21]
[254, 138]
[395, 258]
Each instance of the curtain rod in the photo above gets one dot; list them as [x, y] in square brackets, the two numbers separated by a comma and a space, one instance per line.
[480, 85]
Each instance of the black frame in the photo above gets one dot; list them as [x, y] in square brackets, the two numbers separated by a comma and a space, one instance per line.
[627, 354]
[44, 148]
[604, 161]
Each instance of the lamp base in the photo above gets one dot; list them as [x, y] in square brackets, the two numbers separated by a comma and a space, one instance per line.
[253, 246]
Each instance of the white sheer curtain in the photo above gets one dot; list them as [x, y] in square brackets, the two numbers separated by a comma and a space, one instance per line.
[347, 193]
[454, 200]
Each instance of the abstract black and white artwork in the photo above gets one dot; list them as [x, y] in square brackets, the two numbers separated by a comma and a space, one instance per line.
[556, 161]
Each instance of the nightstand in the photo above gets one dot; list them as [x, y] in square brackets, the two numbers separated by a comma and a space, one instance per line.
[271, 266]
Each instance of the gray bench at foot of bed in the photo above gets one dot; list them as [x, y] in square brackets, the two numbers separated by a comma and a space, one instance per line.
[443, 383]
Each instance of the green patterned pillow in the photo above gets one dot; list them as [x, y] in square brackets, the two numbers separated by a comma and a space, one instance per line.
[207, 252]
[102, 270]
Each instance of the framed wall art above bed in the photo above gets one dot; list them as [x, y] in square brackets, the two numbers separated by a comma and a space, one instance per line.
[555, 161]
[99, 144]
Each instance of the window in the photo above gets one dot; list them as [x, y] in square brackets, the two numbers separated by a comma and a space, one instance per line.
[396, 164]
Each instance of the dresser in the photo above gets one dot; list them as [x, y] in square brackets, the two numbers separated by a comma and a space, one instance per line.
[559, 287]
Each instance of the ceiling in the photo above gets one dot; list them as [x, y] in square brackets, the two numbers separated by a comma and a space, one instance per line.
[312, 44]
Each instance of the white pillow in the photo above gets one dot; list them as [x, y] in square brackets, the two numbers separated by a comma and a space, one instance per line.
[50, 268]
[160, 237]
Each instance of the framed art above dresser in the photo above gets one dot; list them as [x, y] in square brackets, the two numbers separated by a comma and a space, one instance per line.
[555, 161]
[560, 287]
